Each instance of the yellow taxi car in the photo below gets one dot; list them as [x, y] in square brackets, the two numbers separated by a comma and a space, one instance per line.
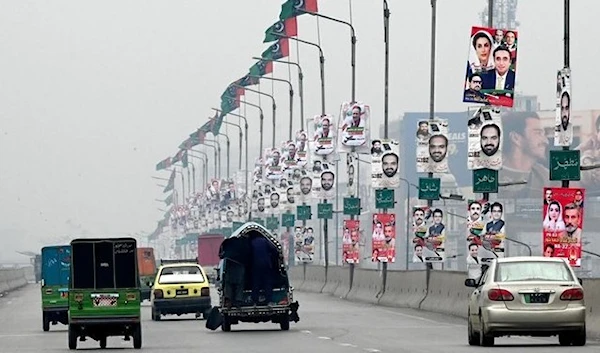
[180, 288]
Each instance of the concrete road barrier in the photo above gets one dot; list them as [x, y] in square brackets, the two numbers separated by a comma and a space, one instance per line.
[443, 292]
[11, 279]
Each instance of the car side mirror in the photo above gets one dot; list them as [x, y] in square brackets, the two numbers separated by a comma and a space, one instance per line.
[470, 282]
[580, 281]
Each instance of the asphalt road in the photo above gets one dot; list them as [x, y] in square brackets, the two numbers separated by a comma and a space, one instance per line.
[326, 324]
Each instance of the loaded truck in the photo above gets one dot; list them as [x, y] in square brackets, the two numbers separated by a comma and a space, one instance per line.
[147, 270]
[208, 253]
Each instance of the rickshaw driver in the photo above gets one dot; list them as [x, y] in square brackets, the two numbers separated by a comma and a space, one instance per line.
[263, 256]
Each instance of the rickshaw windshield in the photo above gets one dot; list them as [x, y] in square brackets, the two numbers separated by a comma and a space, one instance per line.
[103, 264]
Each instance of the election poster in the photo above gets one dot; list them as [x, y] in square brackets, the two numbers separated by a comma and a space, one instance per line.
[485, 231]
[351, 169]
[273, 167]
[428, 234]
[491, 67]
[323, 183]
[563, 130]
[562, 223]
[322, 142]
[350, 241]
[485, 139]
[304, 244]
[384, 237]
[432, 146]
[354, 127]
[305, 185]
[385, 158]
[301, 148]
[289, 156]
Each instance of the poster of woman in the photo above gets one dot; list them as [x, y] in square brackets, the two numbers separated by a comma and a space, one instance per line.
[350, 241]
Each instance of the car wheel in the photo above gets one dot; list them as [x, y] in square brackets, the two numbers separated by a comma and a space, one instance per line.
[45, 323]
[484, 340]
[579, 338]
[103, 342]
[155, 315]
[565, 339]
[72, 338]
[473, 338]
[137, 336]
[284, 324]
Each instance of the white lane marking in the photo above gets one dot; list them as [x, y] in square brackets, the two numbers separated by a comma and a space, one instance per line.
[373, 350]
[348, 345]
[22, 335]
[421, 318]
[324, 338]
[306, 332]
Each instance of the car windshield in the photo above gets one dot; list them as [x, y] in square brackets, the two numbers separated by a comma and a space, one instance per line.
[181, 274]
[532, 271]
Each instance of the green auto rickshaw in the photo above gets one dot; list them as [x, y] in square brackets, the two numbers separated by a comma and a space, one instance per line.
[56, 268]
[104, 291]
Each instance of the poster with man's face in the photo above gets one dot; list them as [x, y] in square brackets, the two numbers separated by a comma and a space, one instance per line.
[322, 137]
[351, 168]
[323, 184]
[563, 130]
[428, 234]
[289, 155]
[384, 163]
[491, 67]
[350, 241]
[273, 166]
[301, 144]
[353, 127]
[305, 186]
[486, 229]
[562, 225]
[274, 201]
[485, 139]
[432, 146]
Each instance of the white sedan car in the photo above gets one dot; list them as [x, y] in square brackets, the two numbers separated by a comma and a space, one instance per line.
[527, 296]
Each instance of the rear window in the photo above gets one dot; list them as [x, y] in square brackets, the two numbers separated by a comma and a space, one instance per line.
[104, 264]
[533, 271]
[181, 274]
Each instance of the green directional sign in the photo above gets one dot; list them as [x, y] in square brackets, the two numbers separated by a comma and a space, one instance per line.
[272, 222]
[485, 180]
[429, 188]
[303, 212]
[352, 206]
[259, 221]
[288, 219]
[325, 211]
[384, 198]
[565, 165]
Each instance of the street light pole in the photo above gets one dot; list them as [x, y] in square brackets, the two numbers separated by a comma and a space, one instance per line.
[274, 108]
[291, 99]
[228, 149]
[261, 128]
[300, 84]
[246, 142]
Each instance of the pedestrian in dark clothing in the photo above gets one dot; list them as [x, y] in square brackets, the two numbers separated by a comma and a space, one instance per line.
[263, 258]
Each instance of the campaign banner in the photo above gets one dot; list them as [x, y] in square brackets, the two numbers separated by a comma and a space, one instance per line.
[323, 183]
[302, 147]
[491, 67]
[304, 244]
[384, 237]
[350, 241]
[432, 146]
[485, 231]
[305, 184]
[289, 156]
[323, 135]
[273, 168]
[353, 126]
[563, 223]
[384, 163]
[485, 139]
[429, 234]
[563, 131]
[351, 169]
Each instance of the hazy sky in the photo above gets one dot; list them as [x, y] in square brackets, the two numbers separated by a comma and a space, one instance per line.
[94, 94]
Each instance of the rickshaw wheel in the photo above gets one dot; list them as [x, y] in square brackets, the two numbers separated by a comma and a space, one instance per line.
[137, 336]
[226, 325]
[102, 342]
[72, 338]
[45, 323]
[284, 324]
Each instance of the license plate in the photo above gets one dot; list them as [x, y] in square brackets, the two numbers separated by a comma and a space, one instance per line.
[105, 299]
[181, 292]
[536, 298]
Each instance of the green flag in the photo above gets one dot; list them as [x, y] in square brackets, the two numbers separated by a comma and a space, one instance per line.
[164, 164]
[278, 50]
[184, 159]
[287, 27]
[293, 8]
[261, 68]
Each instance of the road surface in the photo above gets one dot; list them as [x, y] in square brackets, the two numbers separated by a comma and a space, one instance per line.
[326, 324]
